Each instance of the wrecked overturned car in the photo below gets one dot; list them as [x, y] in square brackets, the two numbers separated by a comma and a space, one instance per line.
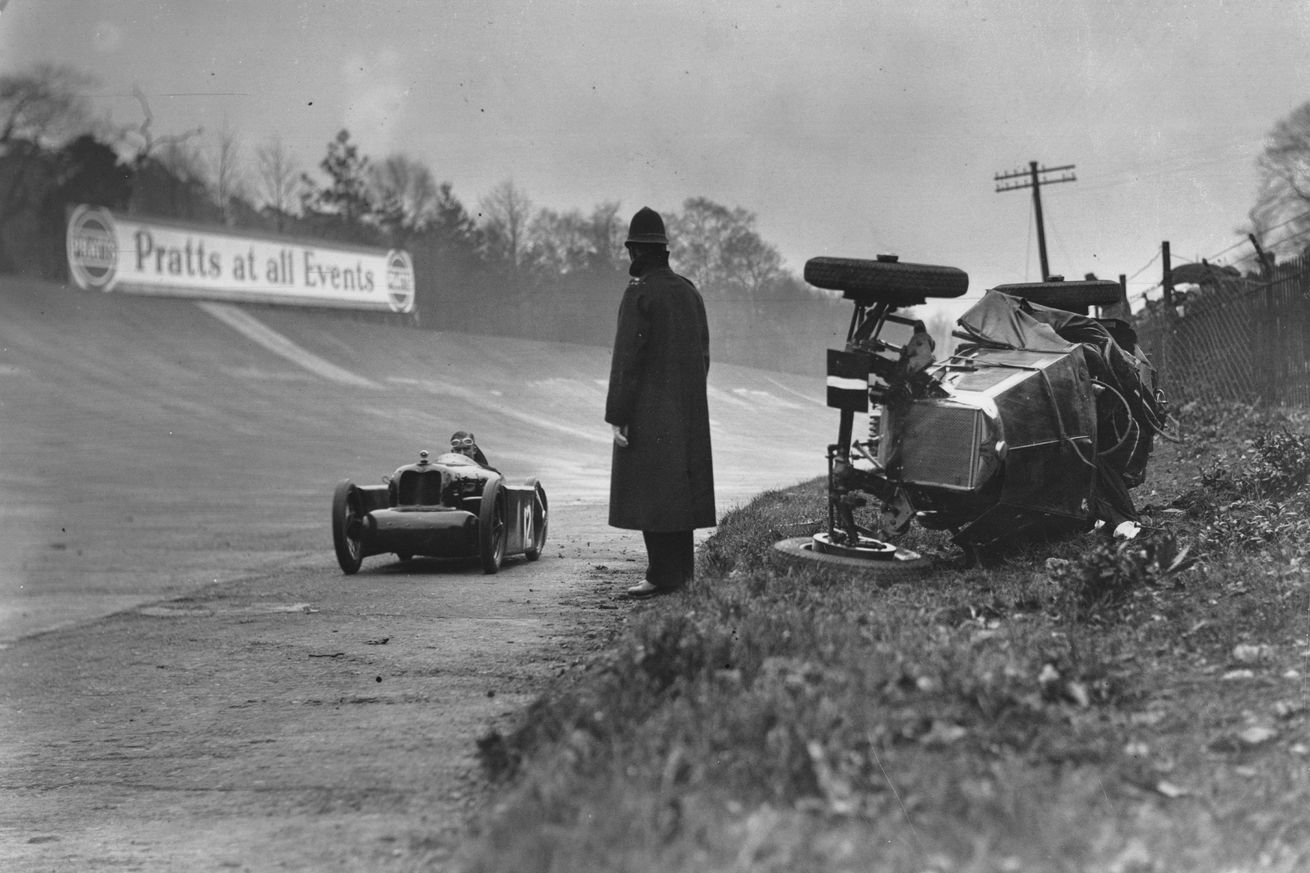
[1042, 419]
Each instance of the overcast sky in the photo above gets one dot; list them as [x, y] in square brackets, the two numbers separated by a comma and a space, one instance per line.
[848, 128]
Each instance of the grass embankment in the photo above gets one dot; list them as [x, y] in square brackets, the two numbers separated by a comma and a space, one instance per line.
[1076, 705]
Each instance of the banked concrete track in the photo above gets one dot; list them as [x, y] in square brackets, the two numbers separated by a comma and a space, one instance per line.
[149, 446]
[187, 680]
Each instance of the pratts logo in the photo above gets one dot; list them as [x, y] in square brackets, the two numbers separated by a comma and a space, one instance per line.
[400, 281]
[92, 248]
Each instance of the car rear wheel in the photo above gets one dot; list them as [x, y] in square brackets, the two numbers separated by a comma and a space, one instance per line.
[540, 517]
[491, 526]
[347, 527]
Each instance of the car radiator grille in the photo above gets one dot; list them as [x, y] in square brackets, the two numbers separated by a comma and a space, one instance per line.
[419, 489]
[940, 446]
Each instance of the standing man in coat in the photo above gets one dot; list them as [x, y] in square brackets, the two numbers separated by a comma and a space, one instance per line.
[662, 473]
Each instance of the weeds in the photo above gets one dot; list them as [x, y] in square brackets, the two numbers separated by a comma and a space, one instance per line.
[1114, 570]
[1279, 468]
[1035, 715]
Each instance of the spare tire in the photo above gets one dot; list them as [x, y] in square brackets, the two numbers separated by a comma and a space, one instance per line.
[885, 280]
[1069, 296]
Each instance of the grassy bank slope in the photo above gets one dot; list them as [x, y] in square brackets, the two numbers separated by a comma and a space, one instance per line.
[1074, 706]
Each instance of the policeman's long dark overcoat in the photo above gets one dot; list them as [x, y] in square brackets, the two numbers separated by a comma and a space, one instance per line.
[663, 480]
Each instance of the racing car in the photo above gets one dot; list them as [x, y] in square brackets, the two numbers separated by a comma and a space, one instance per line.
[450, 506]
[1041, 420]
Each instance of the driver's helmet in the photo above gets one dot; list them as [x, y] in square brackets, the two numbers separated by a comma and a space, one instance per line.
[462, 441]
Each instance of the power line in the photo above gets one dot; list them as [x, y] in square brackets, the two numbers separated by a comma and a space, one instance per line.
[1246, 241]
[1035, 180]
[1290, 237]
[1155, 257]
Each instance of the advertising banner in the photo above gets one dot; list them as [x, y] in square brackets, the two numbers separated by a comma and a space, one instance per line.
[110, 252]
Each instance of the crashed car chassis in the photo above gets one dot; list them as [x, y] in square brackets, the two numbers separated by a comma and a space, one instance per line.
[1043, 419]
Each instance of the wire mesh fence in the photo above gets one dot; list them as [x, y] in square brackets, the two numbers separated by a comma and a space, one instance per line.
[1235, 338]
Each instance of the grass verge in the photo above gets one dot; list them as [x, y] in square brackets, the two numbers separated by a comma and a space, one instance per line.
[1078, 705]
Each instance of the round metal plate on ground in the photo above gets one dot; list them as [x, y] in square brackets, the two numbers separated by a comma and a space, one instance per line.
[867, 548]
[869, 558]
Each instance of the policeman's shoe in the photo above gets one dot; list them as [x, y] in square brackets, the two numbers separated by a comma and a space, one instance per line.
[646, 588]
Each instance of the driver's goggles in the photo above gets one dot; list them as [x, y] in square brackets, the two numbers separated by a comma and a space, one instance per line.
[465, 443]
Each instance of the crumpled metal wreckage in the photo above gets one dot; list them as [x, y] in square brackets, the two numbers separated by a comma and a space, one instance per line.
[1042, 419]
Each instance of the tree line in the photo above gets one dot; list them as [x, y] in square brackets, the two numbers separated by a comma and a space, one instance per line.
[504, 267]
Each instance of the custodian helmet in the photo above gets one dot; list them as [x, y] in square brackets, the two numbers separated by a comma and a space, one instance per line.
[647, 228]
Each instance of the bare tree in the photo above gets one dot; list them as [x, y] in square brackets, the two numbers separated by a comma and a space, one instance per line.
[505, 214]
[278, 183]
[558, 243]
[183, 159]
[568, 242]
[143, 138]
[1283, 202]
[749, 262]
[452, 225]
[229, 174]
[407, 196]
[606, 230]
[39, 111]
[45, 106]
[720, 250]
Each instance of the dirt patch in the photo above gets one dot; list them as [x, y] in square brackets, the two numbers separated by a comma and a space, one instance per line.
[303, 721]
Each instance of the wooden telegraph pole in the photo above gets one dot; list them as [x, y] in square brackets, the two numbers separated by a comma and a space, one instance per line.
[1034, 179]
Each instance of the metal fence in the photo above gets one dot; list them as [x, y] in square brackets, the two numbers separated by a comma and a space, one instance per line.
[1235, 338]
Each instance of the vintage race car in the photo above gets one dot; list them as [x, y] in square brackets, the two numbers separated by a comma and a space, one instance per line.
[447, 507]
[1042, 419]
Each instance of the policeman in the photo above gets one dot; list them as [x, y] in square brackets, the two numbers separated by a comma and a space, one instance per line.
[662, 472]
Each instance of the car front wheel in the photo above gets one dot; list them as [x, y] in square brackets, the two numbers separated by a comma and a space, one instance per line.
[491, 526]
[347, 528]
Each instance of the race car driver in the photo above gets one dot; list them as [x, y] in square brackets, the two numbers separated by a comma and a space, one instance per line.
[463, 442]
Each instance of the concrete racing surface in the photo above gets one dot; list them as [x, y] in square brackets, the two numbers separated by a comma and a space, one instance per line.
[187, 680]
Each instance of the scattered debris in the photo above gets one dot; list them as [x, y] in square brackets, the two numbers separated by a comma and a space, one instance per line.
[943, 733]
[1286, 709]
[1252, 654]
[1237, 675]
[1257, 735]
[1170, 790]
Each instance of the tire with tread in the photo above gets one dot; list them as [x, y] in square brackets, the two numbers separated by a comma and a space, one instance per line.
[798, 552]
[1069, 296]
[347, 527]
[885, 280]
[491, 526]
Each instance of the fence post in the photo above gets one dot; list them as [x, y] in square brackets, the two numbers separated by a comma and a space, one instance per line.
[1166, 328]
[1266, 331]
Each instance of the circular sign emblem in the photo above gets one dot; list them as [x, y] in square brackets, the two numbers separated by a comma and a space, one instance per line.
[400, 281]
[92, 248]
